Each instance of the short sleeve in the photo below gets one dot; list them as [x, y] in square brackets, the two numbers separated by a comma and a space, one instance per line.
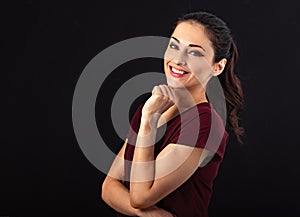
[194, 133]
[204, 131]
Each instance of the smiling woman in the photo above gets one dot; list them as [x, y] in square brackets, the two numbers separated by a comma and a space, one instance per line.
[174, 176]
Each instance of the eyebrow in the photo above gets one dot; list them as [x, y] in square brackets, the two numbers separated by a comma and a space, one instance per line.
[191, 45]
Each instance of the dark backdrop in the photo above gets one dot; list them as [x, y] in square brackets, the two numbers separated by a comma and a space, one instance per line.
[47, 44]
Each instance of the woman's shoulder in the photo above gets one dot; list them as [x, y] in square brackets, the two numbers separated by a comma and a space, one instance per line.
[212, 132]
[199, 112]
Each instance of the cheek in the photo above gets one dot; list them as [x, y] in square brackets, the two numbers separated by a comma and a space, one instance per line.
[201, 70]
[199, 66]
[170, 54]
[165, 64]
[167, 55]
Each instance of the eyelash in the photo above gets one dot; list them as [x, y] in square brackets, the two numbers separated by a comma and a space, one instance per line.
[174, 46]
[196, 53]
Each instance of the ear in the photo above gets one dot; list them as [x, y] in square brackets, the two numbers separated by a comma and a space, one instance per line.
[219, 67]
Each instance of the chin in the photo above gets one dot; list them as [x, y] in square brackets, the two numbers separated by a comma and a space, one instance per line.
[174, 84]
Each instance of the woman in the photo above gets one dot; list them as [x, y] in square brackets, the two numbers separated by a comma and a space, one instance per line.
[174, 176]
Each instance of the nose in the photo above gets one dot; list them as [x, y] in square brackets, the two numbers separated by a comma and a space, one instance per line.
[180, 59]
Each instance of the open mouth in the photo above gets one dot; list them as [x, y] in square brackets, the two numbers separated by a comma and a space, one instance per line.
[176, 72]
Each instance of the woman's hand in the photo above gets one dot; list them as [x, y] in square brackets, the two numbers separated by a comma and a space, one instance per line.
[154, 211]
[162, 99]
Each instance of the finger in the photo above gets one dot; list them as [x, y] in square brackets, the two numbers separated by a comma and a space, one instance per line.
[156, 90]
[163, 90]
[170, 93]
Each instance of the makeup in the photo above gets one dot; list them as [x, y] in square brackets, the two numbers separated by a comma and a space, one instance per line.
[177, 73]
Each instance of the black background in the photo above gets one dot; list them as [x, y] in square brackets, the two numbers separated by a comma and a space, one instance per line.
[47, 44]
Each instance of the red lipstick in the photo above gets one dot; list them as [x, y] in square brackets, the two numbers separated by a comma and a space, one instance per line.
[176, 72]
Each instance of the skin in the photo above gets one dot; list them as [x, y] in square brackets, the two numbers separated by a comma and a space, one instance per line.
[196, 61]
[167, 101]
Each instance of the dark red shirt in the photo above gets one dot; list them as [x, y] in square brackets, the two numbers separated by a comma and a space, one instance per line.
[202, 127]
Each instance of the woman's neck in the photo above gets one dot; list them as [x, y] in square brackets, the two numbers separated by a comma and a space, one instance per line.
[187, 98]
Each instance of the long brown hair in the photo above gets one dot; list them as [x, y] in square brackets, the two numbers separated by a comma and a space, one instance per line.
[224, 47]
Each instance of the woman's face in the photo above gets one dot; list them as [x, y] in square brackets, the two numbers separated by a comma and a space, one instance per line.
[188, 60]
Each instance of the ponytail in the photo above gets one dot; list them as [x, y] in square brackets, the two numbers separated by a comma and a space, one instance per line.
[233, 93]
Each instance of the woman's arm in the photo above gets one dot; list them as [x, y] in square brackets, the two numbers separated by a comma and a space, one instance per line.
[116, 195]
[151, 180]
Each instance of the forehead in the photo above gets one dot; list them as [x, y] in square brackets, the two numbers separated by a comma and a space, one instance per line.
[192, 33]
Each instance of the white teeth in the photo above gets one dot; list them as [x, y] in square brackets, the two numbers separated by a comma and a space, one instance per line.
[177, 71]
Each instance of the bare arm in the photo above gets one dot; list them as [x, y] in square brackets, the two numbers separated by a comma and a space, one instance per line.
[153, 179]
[116, 195]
